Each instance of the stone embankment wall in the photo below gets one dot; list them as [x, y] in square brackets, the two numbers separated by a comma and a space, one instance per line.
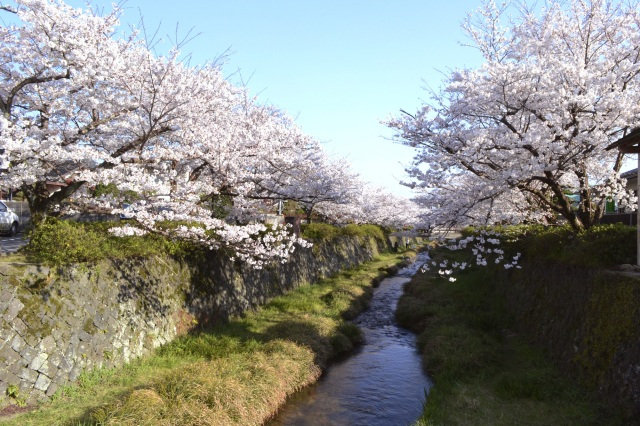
[58, 322]
[588, 320]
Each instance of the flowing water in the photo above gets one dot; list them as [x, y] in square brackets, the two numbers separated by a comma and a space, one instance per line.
[383, 383]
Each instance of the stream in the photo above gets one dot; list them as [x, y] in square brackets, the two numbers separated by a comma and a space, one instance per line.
[382, 383]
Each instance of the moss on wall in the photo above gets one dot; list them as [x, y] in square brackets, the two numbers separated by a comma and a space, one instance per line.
[587, 319]
[610, 322]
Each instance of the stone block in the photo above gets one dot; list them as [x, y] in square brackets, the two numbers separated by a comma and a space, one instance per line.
[31, 340]
[53, 387]
[19, 326]
[61, 379]
[126, 353]
[9, 355]
[38, 361]
[99, 321]
[18, 343]
[56, 333]
[36, 396]
[91, 310]
[69, 305]
[82, 350]
[28, 353]
[48, 344]
[6, 333]
[6, 295]
[75, 373]
[42, 383]
[112, 323]
[41, 314]
[13, 310]
[17, 367]
[65, 365]
[56, 357]
[71, 351]
[99, 340]
[9, 377]
[114, 312]
[74, 340]
[28, 375]
[48, 369]
[626, 267]
[73, 321]
[84, 336]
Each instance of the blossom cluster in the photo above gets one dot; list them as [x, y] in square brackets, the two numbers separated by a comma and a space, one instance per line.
[484, 250]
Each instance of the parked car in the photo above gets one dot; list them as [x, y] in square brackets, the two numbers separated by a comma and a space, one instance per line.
[8, 220]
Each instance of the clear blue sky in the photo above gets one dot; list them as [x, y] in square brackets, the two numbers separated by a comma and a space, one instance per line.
[338, 66]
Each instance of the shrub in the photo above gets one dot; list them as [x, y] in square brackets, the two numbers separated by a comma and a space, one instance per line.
[320, 232]
[59, 241]
[373, 231]
[605, 245]
[353, 230]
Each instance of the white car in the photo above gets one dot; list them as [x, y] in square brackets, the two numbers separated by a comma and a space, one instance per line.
[8, 220]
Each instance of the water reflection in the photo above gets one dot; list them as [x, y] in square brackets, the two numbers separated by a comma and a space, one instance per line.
[382, 384]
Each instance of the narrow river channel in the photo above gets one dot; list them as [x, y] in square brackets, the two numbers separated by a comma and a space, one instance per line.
[383, 383]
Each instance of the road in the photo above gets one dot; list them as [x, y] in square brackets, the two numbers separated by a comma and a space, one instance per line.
[11, 244]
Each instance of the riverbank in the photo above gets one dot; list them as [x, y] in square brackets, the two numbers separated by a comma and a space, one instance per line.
[381, 384]
[484, 373]
[237, 373]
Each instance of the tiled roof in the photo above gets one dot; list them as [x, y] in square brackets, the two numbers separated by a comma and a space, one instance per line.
[629, 174]
[626, 143]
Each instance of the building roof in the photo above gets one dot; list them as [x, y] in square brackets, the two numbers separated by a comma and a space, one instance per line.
[629, 144]
[629, 174]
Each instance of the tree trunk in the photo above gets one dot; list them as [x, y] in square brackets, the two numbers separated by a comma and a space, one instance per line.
[41, 201]
[37, 196]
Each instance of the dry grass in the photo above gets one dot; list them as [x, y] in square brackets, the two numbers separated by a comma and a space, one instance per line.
[240, 389]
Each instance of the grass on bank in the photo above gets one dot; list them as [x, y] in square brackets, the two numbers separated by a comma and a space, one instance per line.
[236, 373]
[483, 373]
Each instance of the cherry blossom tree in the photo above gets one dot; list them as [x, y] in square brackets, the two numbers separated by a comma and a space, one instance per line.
[522, 137]
[85, 107]
[82, 107]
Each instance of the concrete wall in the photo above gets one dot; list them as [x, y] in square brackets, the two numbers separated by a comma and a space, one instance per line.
[56, 323]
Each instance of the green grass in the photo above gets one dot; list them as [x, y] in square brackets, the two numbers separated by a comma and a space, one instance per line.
[236, 373]
[483, 372]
